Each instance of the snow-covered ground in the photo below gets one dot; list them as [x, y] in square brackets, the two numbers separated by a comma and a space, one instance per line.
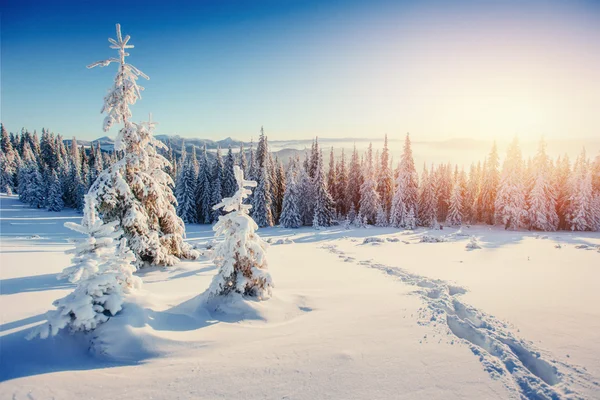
[390, 317]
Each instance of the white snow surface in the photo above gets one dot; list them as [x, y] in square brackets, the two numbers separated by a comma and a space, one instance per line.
[350, 318]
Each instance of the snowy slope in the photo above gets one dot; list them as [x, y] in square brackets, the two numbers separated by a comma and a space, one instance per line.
[347, 321]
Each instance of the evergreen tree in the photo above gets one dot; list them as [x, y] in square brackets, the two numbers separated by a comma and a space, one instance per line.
[541, 206]
[427, 200]
[55, 202]
[385, 180]
[229, 184]
[186, 189]
[324, 206]
[262, 200]
[136, 190]
[510, 202]
[406, 196]
[341, 185]
[241, 256]
[455, 216]
[243, 164]
[290, 214]
[369, 199]
[332, 177]
[216, 185]
[103, 272]
[306, 195]
[581, 215]
[489, 188]
[203, 190]
[355, 181]
[279, 189]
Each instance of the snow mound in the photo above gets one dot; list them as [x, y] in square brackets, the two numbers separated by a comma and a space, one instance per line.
[372, 239]
[433, 239]
[473, 244]
[392, 239]
[283, 241]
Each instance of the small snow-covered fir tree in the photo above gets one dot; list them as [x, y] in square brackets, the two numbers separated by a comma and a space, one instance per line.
[382, 219]
[55, 201]
[136, 190]
[93, 250]
[103, 271]
[241, 256]
[410, 222]
[290, 214]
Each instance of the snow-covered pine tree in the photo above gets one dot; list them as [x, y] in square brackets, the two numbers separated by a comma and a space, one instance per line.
[332, 177]
[382, 219]
[305, 194]
[428, 200]
[76, 184]
[241, 256]
[279, 189]
[9, 165]
[580, 215]
[355, 181]
[541, 207]
[369, 199]
[54, 201]
[324, 208]
[96, 163]
[31, 185]
[510, 202]
[341, 185]
[6, 175]
[216, 185]
[489, 187]
[406, 195]
[186, 189]
[385, 180]
[203, 190]
[290, 214]
[136, 190]
[455, 216]
[560, 182]
[262, 200]
[229, 185]
[241, 159]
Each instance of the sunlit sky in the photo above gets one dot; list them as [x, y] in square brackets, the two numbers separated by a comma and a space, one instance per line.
[436, 69]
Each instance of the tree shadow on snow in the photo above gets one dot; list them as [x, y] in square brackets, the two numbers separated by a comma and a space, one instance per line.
[125, 339]
[36, 283]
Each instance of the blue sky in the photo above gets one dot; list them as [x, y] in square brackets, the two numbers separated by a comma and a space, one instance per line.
[438, 69]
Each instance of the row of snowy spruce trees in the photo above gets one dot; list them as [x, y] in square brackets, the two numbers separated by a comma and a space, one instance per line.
[539, 193]
[129, 217]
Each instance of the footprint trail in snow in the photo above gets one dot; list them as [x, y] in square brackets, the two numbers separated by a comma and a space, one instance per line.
[526, 372]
